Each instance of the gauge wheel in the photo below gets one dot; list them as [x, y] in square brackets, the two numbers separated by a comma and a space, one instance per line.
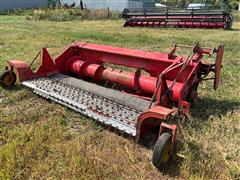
[7, 78]
[162, 150]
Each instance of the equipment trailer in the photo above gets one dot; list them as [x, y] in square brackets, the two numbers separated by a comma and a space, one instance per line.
[136, 102]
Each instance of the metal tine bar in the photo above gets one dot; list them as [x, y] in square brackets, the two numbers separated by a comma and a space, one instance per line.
[106, 83]
[34, 59]
[108, 113]
[114, 85]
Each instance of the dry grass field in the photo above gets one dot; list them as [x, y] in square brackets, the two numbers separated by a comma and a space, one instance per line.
[43, 140]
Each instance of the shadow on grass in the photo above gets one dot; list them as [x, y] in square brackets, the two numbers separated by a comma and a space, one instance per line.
[6, 94]
[14, 88]
[201, 114]
[234, 29]
[203, 110]
[207, 107]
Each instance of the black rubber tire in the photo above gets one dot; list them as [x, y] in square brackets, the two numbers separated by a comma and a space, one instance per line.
[2, 76]
[228, 25]
[163, 142]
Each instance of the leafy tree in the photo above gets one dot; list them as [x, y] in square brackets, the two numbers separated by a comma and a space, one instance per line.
[234, 4]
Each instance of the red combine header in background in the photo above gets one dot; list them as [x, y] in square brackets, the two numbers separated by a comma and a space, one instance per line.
[201, 16]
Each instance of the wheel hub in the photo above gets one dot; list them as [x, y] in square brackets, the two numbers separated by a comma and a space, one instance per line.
[166, 156]
[8, 79]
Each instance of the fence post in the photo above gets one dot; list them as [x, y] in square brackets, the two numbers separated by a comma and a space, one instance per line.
[108, 12]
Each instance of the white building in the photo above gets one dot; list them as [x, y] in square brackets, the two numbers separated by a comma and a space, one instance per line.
[90, 4]
[114, 4]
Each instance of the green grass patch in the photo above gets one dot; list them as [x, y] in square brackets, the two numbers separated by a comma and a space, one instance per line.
[236, 16]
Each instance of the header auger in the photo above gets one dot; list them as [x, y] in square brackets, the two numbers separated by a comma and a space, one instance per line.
[130, 90]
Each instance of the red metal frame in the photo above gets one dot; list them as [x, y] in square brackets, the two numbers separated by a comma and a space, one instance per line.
[167, 86]
[178, 21]
[173, 130]
[218, 66]
[24, 72]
